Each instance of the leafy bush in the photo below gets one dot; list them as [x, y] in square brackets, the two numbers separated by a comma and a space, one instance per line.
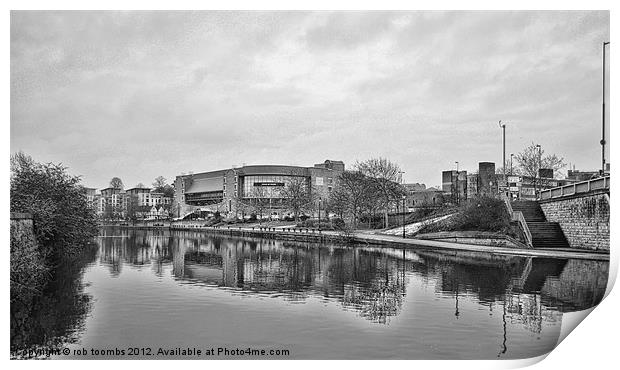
[64, 226]
[63, 221]
[28, 270]
[371, 221]
[479, 214]
[338, 224]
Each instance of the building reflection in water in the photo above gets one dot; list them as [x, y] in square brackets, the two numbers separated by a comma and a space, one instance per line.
[370, 281]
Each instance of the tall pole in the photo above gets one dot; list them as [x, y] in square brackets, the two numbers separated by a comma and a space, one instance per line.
[511, 155]
[402, 181]
[603, 115]
[538, 179]
[404, 197]
[503, 127]
[456, 183]
[319, 214]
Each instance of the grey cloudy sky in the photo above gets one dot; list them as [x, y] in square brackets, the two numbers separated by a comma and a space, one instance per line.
[142, 94]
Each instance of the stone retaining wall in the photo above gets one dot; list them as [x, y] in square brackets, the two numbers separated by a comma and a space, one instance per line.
[22, 224]
[474, 237]
[584, 219]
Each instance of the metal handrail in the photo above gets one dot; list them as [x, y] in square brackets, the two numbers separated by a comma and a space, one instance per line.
[518, 217]
[575, 188]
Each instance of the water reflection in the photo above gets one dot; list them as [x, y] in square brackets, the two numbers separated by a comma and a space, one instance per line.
[57, 316]
[327, 301]
[370, 281]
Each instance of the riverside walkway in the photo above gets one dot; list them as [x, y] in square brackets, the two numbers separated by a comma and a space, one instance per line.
[369, 237]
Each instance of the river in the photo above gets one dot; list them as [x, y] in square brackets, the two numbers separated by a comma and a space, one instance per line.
[144, 292]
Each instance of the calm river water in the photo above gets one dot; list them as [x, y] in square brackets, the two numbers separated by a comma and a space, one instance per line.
[145, 290]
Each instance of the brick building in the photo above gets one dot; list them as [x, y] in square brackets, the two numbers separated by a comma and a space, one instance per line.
[225, 191]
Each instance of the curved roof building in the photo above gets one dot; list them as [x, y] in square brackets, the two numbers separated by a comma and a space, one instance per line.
[222, 190]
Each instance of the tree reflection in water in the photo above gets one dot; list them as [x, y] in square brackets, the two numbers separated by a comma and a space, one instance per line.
[57, 316]
[371, 281]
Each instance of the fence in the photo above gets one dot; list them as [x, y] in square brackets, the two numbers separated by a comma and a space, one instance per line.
[599, 183]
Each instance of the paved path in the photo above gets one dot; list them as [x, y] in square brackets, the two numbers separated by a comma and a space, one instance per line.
[413, 243]
[396, 241]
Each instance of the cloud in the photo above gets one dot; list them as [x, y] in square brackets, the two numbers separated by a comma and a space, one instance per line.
[142, 94]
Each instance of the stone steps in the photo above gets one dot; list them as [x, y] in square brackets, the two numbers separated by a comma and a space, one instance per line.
[544, 234]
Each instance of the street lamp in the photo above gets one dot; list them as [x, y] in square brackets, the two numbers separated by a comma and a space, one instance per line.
[456, 186]
[538, 180]
[603, 142]
[503, 127]
[319, 214]
[404, 198]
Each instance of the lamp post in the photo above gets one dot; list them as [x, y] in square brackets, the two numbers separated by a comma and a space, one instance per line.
[503, 127]
[538, 180]
[603, 142]
[404, 198]
[319, 214]
[456, 183]
[511, 155]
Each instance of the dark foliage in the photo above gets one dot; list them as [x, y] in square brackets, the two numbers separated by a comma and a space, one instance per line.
[479, 214]
[54, 317]
[63, 222]
[63, 229]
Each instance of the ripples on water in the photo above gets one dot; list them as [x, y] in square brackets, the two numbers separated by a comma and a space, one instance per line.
[187, 289]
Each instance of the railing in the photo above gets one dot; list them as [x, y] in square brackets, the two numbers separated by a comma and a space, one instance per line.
[518, 217]
[576, 188]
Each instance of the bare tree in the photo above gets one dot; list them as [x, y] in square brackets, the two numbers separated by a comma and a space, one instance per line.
[338, 201]
[242, 205]
[352, 191]
[298, 196]
[116, 183]
[385, 176]
[160, 185]
[530, 161]
[260, 200]
[132, 208]
[159, 182]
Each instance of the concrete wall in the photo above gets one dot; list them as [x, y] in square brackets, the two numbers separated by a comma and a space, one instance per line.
[474, 237]
[22, 223]
[22, 230]
[584, 219]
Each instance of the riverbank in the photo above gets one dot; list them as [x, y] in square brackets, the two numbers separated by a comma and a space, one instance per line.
[313, 235]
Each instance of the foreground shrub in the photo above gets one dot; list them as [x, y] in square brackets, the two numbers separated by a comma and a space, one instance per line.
[478, 214]
[28, 270]
[64, 226]
[63, 222]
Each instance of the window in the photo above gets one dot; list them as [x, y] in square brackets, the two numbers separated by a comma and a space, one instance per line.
[267, 186]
